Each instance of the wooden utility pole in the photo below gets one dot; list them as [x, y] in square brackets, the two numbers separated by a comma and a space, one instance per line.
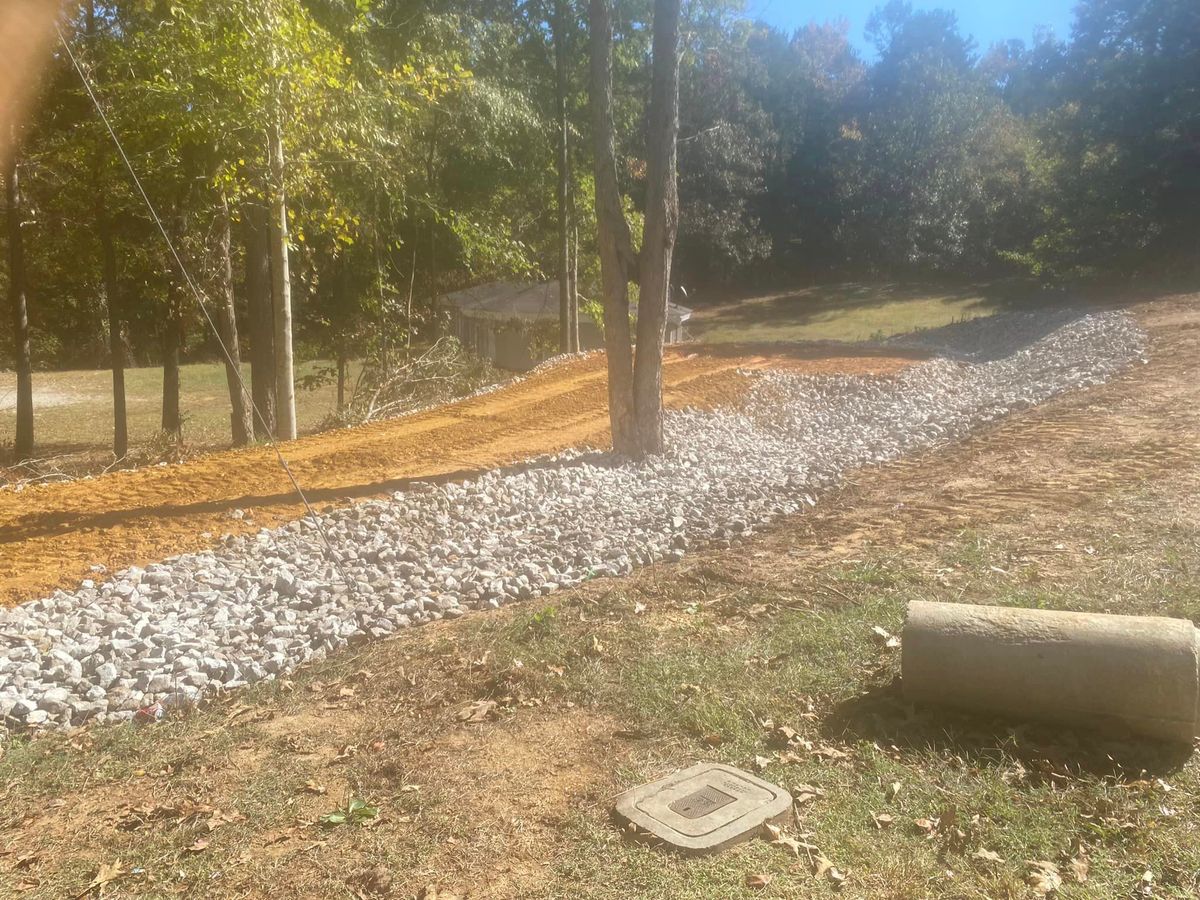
[635, 392]
[281, 281]
[23, 443]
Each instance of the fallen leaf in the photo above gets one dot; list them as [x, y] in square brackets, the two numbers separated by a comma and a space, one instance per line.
[776, 838]
[885, 638]
[928, 826]
[106, 874]
[761, 763]
[988, 856]
[376, 881]
[806, 793]
[639, 608]
[758, 881]
[312, 787]
[1079, 868]
[1146, 885]
[220, 818]
[433, 892]
[827, 752]
[199, 846]
[348, 751]
[823, 867]
[894, 789]
[478, 712]
[882, 820]
[1043, 877]
[713, 740]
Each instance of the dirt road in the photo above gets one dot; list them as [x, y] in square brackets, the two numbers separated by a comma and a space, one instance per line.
[51, 536]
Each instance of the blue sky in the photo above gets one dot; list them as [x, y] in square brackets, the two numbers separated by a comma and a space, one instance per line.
[986, 20]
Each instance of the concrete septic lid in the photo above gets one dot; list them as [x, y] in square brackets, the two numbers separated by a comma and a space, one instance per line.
[704, 808]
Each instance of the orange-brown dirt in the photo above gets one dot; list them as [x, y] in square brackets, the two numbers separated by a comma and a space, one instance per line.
[52, 535]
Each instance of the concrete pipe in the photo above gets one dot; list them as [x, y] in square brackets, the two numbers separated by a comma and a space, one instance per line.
[1134, 673]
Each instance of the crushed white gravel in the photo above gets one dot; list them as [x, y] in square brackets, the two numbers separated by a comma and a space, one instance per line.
[261, 605]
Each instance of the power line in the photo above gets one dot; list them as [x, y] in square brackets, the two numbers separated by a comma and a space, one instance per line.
[199, 298]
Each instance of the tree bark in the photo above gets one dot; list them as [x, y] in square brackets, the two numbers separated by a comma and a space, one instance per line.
[112, 299]
[573, 281]
[617, 261]
[341, 379]
[281, 291]
[241, 420]
[116, 343]
[23, 443]
[563, 164]
[261, 318]
[660, 228]
[172, 338]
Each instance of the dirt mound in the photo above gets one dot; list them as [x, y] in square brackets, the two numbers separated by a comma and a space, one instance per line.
[53, 535]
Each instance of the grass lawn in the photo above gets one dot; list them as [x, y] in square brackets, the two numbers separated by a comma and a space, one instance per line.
[73, 410]
[849, 311]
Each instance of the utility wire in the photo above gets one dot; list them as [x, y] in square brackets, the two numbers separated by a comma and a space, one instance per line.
[199, 297]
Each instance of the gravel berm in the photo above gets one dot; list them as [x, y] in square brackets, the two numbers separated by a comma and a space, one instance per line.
[260, 605]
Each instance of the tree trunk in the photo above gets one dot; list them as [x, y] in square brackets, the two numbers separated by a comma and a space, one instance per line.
[112, 299]
[574, 288]
[261, 318]
[563, 163]
[341, 380]
[617, 261]
[116, 342]
[23, 443]
[281, 292]
[172, 338]
[661, 226]
[241, 420]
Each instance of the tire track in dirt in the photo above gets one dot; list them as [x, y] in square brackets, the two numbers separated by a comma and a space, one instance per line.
[51, 536]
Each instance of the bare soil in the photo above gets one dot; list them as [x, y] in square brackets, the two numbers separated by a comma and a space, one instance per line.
[51, 535]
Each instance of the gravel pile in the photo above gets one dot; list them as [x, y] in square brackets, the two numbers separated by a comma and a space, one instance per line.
[261, 605]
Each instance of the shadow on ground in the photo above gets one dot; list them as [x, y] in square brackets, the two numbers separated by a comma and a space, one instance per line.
[1047, 751]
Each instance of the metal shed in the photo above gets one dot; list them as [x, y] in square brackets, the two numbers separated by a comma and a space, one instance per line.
[515, 324]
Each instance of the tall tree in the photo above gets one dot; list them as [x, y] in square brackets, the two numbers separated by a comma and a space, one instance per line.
[257, 252]
[618, 262]
[281, 286]
[241, 424]
[109, 272]
[635, 391]
[562, 161]
[23, 444]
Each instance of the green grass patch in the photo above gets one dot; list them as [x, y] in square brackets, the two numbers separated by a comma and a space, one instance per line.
[849, 311]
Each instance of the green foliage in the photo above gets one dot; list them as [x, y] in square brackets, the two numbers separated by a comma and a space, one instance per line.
[420, 143]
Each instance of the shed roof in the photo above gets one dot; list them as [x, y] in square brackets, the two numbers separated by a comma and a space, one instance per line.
[505, 300]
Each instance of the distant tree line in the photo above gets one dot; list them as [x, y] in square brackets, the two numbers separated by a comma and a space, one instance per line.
[326, 168]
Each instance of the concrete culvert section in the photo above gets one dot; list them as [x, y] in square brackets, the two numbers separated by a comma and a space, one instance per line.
[1106, 672]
